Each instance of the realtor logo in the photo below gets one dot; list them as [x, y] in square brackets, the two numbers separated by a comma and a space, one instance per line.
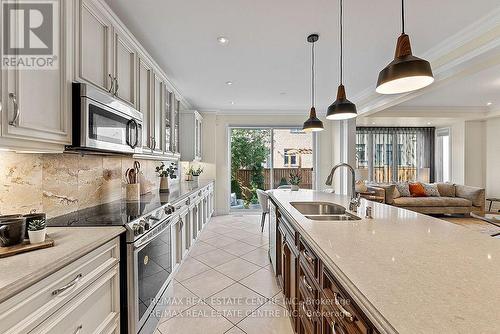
[30, 39]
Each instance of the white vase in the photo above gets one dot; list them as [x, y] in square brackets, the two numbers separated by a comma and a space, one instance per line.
[164, 188]
[195, 178]
[37, 237]
[294, 187]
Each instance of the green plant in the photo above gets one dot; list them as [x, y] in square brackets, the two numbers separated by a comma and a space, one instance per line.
[36, 225]
[194, 172]
[167, 172]
[283, 181]
[249, 148]
[236, 188]
[295, 178]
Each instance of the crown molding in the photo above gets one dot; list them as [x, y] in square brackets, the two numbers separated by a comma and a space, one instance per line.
[255, 112]
[473, 48]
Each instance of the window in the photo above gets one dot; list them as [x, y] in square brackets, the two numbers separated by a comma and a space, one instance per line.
[290, 157]
[443, 155]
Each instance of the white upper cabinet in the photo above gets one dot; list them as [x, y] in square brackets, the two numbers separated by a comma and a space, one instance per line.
[94, 47]
[190, 141]
[35, 102]
[145, 105]
[124, 68]
[157, 119]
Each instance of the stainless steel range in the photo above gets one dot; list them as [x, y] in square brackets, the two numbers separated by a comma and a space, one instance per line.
[149, 265]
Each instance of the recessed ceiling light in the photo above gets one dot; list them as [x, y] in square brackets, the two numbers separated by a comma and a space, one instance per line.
[373, 123]
[489, 103]
[429, 123]
[229, 83]
[232, 102]
[283, 93]
[222, 40]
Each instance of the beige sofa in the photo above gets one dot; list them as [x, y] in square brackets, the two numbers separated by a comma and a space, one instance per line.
[453, 199]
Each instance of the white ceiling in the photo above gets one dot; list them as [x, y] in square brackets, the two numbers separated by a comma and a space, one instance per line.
[475, 90]
[267, 54]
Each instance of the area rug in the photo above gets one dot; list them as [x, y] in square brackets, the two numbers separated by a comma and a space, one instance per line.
[473, 224]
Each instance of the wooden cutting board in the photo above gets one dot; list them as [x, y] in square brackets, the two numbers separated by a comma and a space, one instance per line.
[25, 246]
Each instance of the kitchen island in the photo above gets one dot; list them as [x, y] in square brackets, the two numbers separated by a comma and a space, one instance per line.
[398, 272]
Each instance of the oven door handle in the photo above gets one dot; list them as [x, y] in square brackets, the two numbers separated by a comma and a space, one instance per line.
[129, 142]
[143, 241]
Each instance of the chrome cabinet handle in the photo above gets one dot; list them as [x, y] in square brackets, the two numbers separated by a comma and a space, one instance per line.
[305, 311]
[304, 280]
[308, 257]
[332, 324]
[110, 90]
[346, 313]
[78, 329]
[116, 86]
[67, 286]
[15, 121]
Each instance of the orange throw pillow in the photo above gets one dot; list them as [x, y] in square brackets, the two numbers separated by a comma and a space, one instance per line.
[417, 190]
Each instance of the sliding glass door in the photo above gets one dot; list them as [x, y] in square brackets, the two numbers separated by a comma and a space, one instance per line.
[391, 154]
[443, 155]
[264, 158]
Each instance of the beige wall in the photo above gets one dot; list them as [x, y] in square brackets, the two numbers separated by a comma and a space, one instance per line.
[216, 157]
[492, 154]
[61, 183]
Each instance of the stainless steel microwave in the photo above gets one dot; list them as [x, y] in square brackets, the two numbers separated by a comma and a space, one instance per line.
[103, 123]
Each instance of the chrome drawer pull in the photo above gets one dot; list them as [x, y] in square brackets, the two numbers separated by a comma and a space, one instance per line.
[112, 83]
[78, 329]
[15, 121]
[346, 313]
[308, 257]
[304, 280]
[305, 311]
[67, 286]
[332, 324]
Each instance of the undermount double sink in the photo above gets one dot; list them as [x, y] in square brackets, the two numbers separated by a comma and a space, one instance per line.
[324, 211]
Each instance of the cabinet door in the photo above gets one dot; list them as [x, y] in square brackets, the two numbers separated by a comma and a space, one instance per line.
[124, 68]
[167, 116]
[198, 138]
[175, 124]
[145, 78]
[179, 241]
[94, 45]
[157, 142]
[37, 102]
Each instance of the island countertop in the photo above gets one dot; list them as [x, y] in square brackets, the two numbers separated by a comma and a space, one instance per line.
[410, 273]
[20, 271]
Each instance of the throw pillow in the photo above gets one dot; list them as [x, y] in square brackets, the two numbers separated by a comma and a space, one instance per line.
[431, 189]
[417, 189]
[396, 193]
[403, 189]
[446, 189]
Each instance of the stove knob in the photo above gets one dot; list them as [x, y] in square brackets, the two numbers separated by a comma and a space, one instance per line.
[147, 225]
[141, 229]
[136, 229]
[169, 209]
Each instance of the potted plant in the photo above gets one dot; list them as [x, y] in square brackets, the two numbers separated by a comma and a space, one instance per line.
[37, 230]
[196, 173]
[189, 174]
[295, 179]
[166, 173]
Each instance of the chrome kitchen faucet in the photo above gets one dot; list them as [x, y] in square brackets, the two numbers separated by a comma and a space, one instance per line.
[355, 198]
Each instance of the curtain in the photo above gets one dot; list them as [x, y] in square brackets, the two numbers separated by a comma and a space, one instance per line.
[395, 154]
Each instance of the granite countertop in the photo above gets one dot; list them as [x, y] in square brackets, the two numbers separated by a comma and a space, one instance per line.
[121, 212]
[20, 271]
[410, 273]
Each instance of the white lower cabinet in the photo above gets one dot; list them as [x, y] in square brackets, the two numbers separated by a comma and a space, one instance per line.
[83, 297]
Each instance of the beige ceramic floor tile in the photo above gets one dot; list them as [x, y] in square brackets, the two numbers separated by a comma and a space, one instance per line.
[208, 283]
[260, 257]
[238, 248]
[220, 241]
[176, 299]
[201, 247]
[257, 240]
[207, 234]
[279, 299]
[269, 319]
[236, 302]
[198, 319]
[263, 282]
[189, 268]
[215, 258]
[237, 268]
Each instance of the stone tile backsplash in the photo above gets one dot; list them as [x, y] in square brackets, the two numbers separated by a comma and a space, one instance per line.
[61, 183]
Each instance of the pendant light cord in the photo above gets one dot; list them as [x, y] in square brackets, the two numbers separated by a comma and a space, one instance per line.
[313, 77]
[341, 44]
[403, 15]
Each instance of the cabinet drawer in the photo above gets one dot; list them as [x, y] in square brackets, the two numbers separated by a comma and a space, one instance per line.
[346, 312]
[308, 319]
[309, 259]
[29, 308]
[93, 310]
[330, 322]
[308, 289]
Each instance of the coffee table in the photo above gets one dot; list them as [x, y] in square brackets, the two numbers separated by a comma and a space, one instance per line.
[492, 218]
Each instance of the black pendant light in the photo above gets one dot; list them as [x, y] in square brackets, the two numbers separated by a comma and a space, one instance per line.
[406, 72]
[342, 108]
[312, 123]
